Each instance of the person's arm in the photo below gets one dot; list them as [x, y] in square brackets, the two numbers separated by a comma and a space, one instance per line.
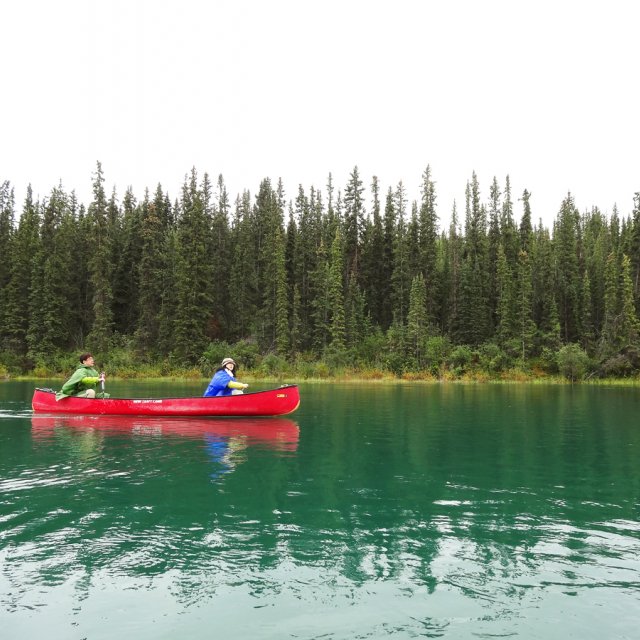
[69, 387]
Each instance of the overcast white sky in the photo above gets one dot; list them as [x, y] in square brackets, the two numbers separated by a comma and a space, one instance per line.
[546, 92]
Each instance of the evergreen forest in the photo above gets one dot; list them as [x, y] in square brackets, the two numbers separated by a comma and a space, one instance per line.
[345, 279]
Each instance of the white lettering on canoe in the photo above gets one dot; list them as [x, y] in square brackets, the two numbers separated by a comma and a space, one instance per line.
[147, 402]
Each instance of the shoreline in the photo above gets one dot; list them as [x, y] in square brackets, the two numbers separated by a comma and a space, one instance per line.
[355, 379]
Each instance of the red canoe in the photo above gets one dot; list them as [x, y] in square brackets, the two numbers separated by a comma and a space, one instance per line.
[275, 402]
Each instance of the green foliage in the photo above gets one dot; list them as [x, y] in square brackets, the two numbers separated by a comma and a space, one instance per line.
[13, 364]
[617, 366]
[336, 295]
[417, 320]
[548, 360]
[370, 350]
[274, 365]
[244, 352]
[568, 277]
[573, 362]
[436, 351]
[461, 357]
[160, 288]
[493, 359]
[336, 358]
[101, 267]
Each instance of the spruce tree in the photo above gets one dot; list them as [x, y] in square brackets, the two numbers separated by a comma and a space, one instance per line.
[451, 320]
[51, 326]
[526, 227]
[506, 316]
[220, 259]
[634, 250]
[609, 337]
[493, 244]
[356, 324]
[524, 308]
[588, 331]
[389, 244]
[7, 215]
[243, 284]
[336, 294]
[100, 267]
[474, 305]
[597, 246]
[354, 213]
[20, 259]
[545, 311]
[417, 319]
[169, 299]
[428, 234]
[568, 278]
[320, 307]
[193, 274]
[401, 274]
[151, 270]
[508, 230]
[629, 331]
[308, 238]
[268, 219]
[127, 258]
[373, 259]
[413, 242]
[295, 321]
[282, 332]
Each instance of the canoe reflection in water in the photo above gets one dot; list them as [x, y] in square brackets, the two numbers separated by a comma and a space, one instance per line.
[225, 440]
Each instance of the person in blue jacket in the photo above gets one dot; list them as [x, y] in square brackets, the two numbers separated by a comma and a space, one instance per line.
[224, 382]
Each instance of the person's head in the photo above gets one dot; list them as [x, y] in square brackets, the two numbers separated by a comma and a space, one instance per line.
[229, 363]
[85, 357]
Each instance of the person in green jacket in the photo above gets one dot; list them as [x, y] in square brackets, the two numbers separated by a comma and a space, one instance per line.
[82, 384]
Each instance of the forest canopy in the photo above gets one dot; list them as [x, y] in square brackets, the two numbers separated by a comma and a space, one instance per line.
[350, 277]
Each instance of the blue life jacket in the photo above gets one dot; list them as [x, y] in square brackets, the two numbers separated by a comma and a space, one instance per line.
[218, 385]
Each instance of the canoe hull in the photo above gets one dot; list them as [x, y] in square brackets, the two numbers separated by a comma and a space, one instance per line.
[275, 402]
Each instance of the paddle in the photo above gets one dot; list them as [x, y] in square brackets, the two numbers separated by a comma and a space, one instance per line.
[102, 384]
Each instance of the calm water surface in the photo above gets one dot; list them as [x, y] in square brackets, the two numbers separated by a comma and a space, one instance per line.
[374, 511]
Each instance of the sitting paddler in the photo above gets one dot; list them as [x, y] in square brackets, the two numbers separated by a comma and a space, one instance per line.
[82, 384]
[224, 381]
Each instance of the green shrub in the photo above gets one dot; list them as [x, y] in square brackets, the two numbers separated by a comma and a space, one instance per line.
[11, 363]
[618, 366]
[273, 365]
[305, 370]
[436, 351]
[493, 359]
[371, 349]
[118, 360]
[460, 358]
[213, 355]
[573, 362]
[548, 360]
[245, 353]
[395, 362]
[337, 358]
[321, 370]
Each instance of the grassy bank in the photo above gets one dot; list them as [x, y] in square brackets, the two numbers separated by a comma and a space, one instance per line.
[485, 364]
[356, 377]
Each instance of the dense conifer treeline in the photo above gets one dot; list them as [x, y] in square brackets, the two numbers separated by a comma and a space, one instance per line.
[317, 276]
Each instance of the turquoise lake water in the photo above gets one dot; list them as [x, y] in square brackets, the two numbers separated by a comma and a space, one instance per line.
[374, 511]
